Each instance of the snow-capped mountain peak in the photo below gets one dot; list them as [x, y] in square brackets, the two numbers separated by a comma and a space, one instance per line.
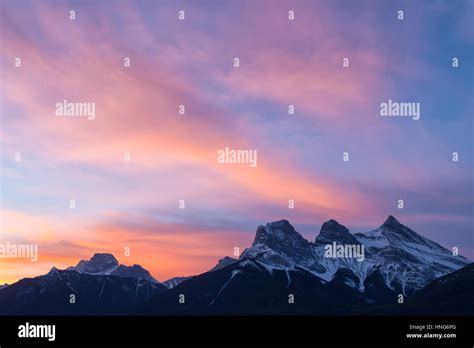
[394, 229]
[276, 232]
[279, 236]
[332, 231]
[100, 263]
[404, 259]
[280, 246]
[107, 264]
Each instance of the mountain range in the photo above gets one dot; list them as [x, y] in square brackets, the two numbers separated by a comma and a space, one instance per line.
[401, 272]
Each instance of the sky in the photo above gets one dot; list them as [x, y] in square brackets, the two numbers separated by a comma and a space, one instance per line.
[190, 62]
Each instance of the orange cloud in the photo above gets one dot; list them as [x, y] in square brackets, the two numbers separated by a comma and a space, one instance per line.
[137, 112]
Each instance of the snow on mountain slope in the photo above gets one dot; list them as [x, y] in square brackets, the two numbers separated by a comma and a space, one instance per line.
[405, 260]
[49, 294]
[107, 264]
[249, 287]
[99, 264]
[172, 282]
[282, 247]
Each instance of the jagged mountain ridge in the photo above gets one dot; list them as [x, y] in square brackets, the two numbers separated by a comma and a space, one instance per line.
[406, 261]
[107, 264]
[50, 294]
[279, 263]
[225, 261]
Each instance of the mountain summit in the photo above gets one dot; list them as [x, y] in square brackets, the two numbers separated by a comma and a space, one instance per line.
[333, 231]
[280, 262]
[395, 230]
[107, 264]
[98, 264]
[279, 244]
[402, 259]
[391, 221]
[276, 232]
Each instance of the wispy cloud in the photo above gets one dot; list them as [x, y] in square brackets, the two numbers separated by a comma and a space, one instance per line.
[173, 156]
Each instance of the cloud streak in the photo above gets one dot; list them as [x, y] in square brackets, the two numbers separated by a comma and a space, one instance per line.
[173, 156]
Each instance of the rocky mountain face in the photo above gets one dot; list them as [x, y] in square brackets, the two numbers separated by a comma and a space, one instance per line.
[281, 264]
[107, 264]
[451, 294]
[99, 264]
[67, 292]
[247, 287]
[172, 282]
[280, 273]
[404, 260]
